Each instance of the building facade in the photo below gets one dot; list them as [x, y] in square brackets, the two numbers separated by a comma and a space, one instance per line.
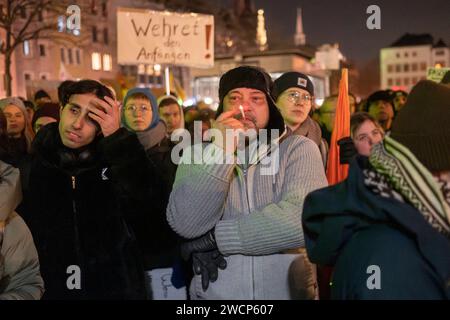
[91, 53]
[205, 82]
[406, 61]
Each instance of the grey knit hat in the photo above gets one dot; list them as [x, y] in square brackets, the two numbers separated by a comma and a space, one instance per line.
[14, 101]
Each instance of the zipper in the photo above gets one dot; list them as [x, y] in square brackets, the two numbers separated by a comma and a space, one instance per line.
[246, 190]
[75, 223]
[248, 211]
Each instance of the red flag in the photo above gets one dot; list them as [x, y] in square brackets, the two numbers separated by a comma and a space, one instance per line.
[337, 172]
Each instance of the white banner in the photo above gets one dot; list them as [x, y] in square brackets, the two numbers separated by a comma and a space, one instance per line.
[162, 37]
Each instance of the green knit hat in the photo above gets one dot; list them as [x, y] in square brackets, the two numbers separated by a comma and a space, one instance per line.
[423, 125]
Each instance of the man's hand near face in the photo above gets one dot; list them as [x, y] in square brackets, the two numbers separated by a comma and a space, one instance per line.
[106, 114]
[226, 121]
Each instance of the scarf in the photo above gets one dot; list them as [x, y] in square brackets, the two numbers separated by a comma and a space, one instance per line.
[399, 174]
[310, 129]
[151, 137]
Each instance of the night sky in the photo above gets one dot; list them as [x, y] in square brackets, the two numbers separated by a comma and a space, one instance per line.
[344, 21]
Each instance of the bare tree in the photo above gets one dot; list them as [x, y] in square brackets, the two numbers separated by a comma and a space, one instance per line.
[25, 20]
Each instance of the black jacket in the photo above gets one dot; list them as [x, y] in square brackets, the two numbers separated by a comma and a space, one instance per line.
[77, 212]
[158, 242]
[12, 150]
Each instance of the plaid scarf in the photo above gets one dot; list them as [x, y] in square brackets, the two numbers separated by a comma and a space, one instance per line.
[399, 174]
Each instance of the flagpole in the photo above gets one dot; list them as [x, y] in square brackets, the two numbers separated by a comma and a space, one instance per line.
[167, 81]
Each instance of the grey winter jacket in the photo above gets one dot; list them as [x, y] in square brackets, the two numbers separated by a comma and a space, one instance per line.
[20, 278]
[256, 217]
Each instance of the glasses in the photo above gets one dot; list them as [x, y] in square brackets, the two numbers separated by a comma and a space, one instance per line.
[296, 97]
[133, 108]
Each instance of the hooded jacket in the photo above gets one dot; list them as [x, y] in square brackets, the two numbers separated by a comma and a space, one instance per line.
[75, 205]
[157, 241]
[254, 209]
[363, 234]
[20, 278]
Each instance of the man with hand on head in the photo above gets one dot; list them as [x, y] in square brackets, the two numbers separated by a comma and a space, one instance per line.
[82, 171]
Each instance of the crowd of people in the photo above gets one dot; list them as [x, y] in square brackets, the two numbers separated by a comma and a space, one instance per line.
[93, 205]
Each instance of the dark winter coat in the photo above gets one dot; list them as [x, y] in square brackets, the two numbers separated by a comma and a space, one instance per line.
[158, 242]
[363, 235]
[77, 212]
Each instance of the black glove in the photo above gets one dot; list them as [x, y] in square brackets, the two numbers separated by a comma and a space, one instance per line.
[206, 242]
[347, 150]
[207, 264]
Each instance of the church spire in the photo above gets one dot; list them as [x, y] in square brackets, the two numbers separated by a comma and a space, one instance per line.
[300, 37]
[261, 34]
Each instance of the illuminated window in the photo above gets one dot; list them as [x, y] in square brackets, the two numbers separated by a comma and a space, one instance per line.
[96, 61]
[26, 48]
[107, 62]
[61, 24]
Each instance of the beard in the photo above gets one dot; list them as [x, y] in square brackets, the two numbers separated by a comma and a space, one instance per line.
[249, 122]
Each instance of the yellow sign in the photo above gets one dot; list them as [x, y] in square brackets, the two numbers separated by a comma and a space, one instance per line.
[436, 74]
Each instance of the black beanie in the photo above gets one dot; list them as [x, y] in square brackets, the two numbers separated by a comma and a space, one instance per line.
[252, 78]
[422, 125]
[41, 94]
[382, 95]
[49, 109]
[292, 80]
